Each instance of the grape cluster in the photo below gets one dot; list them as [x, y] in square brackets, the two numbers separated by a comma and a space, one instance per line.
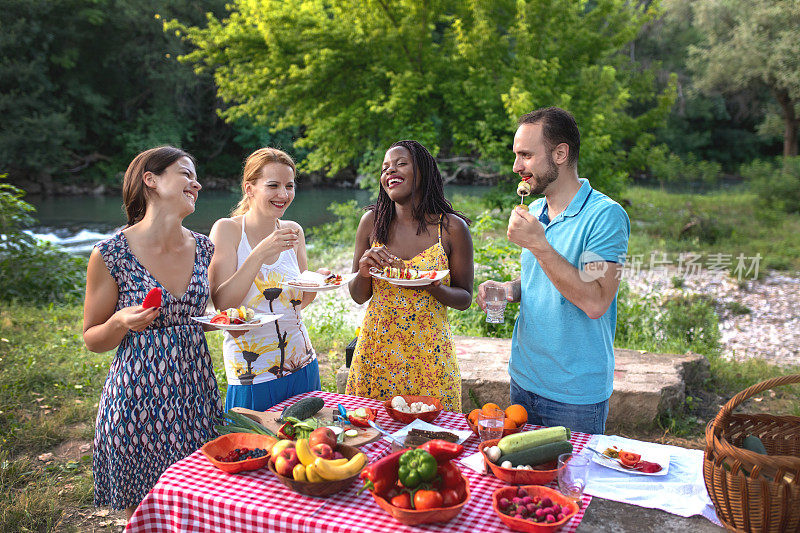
[240, 454]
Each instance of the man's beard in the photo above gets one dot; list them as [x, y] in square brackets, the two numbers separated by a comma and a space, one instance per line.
[540, 183]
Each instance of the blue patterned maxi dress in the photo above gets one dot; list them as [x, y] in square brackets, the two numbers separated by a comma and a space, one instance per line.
[160, 399]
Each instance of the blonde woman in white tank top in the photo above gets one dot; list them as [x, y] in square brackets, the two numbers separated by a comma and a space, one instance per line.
[255, 251]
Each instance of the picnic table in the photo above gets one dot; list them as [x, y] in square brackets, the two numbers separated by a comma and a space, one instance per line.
[193, 495]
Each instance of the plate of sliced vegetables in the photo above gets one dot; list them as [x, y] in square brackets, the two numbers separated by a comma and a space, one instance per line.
[236, 319]
[646, 463]
[408, 277]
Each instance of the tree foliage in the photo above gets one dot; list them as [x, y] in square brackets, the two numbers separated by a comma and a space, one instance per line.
[86, 84]
[31, 270]
[353, 76]
[750, 44]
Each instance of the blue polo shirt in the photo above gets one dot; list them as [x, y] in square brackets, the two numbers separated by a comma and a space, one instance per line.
[557, 351]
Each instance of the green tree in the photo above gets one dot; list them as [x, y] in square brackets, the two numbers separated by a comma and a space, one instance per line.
[751, 44]
[86, 84]
[713, 127]
[353, 76]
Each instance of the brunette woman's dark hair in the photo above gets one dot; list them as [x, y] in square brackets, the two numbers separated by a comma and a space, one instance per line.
[134, 192]
[428, 185]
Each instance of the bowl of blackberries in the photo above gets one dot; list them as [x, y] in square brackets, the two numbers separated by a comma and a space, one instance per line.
[238, 452]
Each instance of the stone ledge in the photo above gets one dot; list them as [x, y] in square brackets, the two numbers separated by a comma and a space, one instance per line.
[645, 384]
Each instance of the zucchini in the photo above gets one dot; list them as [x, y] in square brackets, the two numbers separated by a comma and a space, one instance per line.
[754, 444]
[302, 409]
[538, 455]
[531, 439]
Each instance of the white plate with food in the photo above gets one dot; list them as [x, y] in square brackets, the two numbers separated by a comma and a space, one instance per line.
[316, 282]
[233, 319]
[409, 277]
[644, 461]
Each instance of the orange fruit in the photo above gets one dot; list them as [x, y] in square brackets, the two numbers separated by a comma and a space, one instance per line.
[517, 413]
[509, 424]
[473, 416]
[488, 407]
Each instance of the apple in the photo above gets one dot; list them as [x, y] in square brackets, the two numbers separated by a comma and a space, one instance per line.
[286, 461]
[279, 446]
[322, 450]
[322, 436]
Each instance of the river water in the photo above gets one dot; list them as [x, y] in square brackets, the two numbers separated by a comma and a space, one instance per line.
[78, 222]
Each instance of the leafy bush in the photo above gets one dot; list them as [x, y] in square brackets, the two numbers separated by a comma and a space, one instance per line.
[495, 259]
[678, 324]
[775, 182]
[30, 270]
[668, 167]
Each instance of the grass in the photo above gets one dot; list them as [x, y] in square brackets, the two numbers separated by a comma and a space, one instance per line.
[49, 388]
[724, 222]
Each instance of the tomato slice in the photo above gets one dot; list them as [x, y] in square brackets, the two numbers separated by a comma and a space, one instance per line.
[221, 319]
[629, 458]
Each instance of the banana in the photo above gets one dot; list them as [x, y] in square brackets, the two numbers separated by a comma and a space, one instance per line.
[312, 475]
[333, 472]
[304, 452]
[299, 473]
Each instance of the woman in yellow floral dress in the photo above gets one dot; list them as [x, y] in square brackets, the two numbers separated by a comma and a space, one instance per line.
[405, 345]
[255, 252]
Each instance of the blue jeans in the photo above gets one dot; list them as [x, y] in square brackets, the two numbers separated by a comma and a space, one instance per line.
[589, 418]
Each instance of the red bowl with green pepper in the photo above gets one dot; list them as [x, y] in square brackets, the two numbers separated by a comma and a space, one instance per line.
[413, 517]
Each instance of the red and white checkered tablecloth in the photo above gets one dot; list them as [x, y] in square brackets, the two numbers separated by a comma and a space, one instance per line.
[193, 495]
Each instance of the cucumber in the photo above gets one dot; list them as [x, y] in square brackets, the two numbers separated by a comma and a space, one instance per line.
[302, 409]
[754, 444]
[531, 439]
[538, 455]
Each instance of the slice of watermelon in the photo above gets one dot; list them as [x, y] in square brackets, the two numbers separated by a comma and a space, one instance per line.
[153, 298]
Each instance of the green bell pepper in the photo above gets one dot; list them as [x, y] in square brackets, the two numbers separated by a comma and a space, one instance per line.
[416, 467]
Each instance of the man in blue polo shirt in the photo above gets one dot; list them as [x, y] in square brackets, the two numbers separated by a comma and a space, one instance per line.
[574, 241]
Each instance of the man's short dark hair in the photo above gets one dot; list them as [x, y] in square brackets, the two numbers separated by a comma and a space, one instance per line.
[558, 126]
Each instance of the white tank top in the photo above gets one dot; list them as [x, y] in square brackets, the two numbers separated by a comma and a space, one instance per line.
[278, 348]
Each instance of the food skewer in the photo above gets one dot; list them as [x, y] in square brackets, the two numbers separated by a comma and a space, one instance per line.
[523, 190]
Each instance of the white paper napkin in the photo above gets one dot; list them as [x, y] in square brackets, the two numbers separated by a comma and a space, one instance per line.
[475, 462]
[400, 435]
[681, 491]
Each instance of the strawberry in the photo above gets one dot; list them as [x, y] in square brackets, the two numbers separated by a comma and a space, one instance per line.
[153, 298]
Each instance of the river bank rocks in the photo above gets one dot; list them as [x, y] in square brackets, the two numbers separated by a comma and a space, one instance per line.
[757, 318]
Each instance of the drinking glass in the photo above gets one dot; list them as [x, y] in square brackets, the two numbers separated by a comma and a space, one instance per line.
[495, 298]
[572, 472]
[490, 424]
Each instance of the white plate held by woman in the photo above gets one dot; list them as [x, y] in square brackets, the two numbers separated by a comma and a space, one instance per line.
[259, 319]
[315, 282]
[421, 282]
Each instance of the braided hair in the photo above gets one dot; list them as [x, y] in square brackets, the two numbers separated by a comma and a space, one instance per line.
[428, 183]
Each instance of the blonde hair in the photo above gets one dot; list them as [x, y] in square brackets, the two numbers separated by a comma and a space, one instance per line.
[252, 171]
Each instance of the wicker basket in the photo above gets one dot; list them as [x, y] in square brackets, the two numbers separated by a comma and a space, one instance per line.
[750, 491]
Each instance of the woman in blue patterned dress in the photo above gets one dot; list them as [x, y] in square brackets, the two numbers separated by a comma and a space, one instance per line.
[160, 398]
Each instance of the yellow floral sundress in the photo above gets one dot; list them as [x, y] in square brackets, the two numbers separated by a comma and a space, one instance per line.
[405, 345]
